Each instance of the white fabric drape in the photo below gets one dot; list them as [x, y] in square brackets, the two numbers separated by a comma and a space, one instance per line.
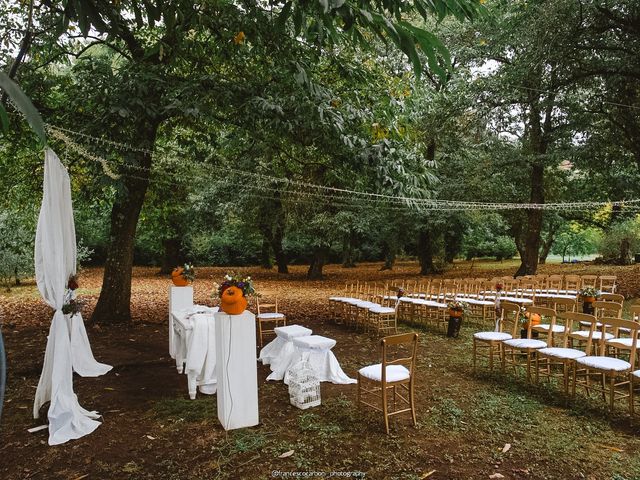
[67, 345]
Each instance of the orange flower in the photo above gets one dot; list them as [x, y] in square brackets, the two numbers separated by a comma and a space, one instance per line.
[238, 39]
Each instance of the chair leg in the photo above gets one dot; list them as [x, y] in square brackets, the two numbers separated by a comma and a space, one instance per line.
[358, 392]
[474, 355]
[413, 403]
[384, 408]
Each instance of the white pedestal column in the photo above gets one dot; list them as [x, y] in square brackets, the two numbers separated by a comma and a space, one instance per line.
[179, 299]
[237, 370]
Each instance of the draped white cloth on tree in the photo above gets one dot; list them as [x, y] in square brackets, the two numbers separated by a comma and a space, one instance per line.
[67, 345]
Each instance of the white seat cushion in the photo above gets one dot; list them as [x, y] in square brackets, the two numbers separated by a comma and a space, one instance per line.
[558, 352]
[525, 343]
[525, 301]
[367, 305]
[622, 342]
[596, 335]
[271, 315]
[290, 332]
[545, 328]
[495, 336]
[604, 363]
[382, 310]
[314, 342]
[395, 373]
[338, 299]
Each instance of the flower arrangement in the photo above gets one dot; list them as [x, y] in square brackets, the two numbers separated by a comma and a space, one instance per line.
[589, 292]
[188, 272]
[499, 287]
[71, 305]
[458, 306]
[400, 292]
[235, 280]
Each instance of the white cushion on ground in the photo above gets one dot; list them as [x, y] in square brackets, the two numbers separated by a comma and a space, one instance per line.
[271, 315]
[604, 363]
[525, 343]
[382, 310]
[571, 353]
[545, 327]
[290, 332]
[498, 336]
[596, 335]
[314, 342]
[394, 373]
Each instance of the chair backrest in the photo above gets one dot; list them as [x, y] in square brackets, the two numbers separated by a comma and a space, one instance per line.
[565, 304]
[554, 282]
[612, 297]
[571, 321]
[634, 310]
[509, 318]
[547, 316]
[408, 360]
[272, 307]
[572, 282]
[618, 325]
[608, 283]
[607, 309]
[588, 281]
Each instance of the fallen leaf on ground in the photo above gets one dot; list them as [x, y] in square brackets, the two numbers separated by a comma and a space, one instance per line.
[428, 474]
[506, 448]
[615, 449]
[496, 475]
[286, 454]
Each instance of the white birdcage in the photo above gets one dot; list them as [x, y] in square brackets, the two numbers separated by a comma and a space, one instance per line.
[304, 386]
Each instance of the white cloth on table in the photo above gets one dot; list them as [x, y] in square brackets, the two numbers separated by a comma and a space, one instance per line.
[201, 352]
[179, 299]
[55, 262]
[279, 351]
[316, 349]
[182, 324]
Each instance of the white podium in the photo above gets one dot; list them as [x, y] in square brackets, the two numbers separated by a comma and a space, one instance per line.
[237, 370]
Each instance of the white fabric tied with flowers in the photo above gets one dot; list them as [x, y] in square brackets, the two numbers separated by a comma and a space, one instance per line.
[67, 344]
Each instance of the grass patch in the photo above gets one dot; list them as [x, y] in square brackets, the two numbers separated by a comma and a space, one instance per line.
[185, 410]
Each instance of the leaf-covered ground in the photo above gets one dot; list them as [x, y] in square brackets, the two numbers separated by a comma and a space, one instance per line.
[484, 426]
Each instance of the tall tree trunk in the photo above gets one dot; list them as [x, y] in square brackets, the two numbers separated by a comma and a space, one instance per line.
[546, 248]
[348, 250]
[114, 304]
[171, 256]
[425, 251]
[265, 255]
[272, 223]
[625, 252]
[389, 253]
[317, 263]
[452, 241]
[529, 262]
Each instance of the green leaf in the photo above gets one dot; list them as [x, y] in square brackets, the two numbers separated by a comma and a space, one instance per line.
[23, 104]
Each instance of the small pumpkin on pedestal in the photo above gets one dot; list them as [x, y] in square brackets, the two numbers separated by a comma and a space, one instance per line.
[233, 293]
[183, 276]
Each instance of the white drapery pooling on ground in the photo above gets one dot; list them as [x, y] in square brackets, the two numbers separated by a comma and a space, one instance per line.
[67, 345]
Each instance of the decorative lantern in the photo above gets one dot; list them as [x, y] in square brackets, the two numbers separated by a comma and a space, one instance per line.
[304, 386]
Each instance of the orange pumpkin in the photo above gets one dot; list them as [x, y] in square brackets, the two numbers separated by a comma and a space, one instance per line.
[233, 301]
[534, 318]
[178, 279]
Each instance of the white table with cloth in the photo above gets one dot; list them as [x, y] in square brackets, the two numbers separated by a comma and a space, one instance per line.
[195, 347]
[316, 350]
[279, 351]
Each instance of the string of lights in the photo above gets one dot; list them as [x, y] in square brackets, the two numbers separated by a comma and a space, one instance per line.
[306, 189]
